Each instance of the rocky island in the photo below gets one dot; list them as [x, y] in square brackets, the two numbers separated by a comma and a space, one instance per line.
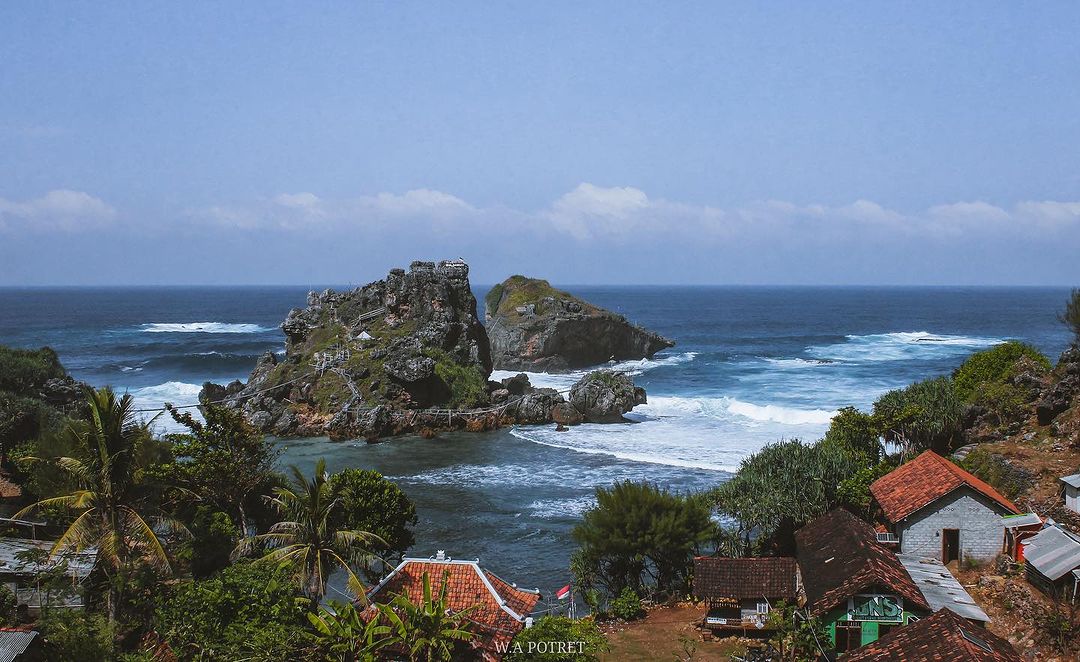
[404, 354]
[533, 326]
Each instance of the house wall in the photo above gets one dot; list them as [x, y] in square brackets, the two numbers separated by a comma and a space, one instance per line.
[869, 632]
[977, 518]
[1072, 498]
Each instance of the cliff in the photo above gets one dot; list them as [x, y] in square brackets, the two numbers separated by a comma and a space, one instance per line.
[403, 354]
[533, 326]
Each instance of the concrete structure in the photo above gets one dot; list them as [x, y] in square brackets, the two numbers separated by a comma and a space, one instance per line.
[939, 510]
[1070, 489]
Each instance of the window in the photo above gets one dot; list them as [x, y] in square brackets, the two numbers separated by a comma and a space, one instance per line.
[763, 607]
[848, 636]
[884, 629]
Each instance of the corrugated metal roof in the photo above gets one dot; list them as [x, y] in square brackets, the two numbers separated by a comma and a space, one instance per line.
[1053, 552]
[1016, 521]
[11, 549]
[940, 588]
[1073, 480]
[13, 643]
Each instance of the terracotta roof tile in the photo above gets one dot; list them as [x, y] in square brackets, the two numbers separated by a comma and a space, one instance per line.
[942, 637]
[721, 577]
[924, 480]
[493, 624]
[839, 556]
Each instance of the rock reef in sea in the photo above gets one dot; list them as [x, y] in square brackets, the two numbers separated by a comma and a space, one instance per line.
[406, 354]
[535, 327]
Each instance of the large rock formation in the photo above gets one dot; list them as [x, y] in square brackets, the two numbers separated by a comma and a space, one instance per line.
[533, 326]
[404, 354]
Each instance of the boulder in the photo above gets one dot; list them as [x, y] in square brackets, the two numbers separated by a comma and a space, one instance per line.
[603, 396]
[533, 326]
[410, 370]
[565, 413]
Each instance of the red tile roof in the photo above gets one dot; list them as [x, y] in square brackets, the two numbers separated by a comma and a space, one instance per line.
[722, 577]
[942, 637]
[839, 557]
[924, 480]
[501, 607]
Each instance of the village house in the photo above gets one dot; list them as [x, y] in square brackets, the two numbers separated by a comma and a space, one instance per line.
[1070, 491]
[38, 580]
[936, 509]
[854, 585]
[501, 610]
[942, 637]
[1052, 562]
[1019, 528]
[740, 593]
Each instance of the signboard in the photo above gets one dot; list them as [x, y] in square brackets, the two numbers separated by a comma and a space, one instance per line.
[876, 607]
[724, 602]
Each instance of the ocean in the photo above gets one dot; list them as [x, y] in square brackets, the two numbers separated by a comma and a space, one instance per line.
[752, 365]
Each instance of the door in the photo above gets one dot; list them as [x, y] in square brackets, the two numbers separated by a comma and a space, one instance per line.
[950, 545]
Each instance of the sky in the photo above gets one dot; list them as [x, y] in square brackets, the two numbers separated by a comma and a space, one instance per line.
[584, 142]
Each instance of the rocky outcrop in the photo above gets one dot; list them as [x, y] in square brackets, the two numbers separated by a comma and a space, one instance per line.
[1058, 396]
[604, 396]
[533, 326]
[403, 354]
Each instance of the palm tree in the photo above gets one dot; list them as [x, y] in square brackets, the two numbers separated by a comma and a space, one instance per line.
[103, 467]
[304, 540]
[428, 629]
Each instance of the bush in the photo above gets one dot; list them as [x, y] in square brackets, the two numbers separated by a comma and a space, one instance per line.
[627, 606]
[370, 502]
[856, 432]
[75, 636]
[1070, 317]
[925, 415]
[535, 644]
[993, 365]
[854, 492]
[466, 385]
[247, 608]
[8, 606]
[1006, 401]
[23, 371]
[642, 537]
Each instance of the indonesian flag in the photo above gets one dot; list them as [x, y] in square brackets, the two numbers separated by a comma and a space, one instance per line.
[563, 592]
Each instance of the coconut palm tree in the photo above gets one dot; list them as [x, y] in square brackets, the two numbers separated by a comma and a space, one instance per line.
[103, 467]
[305, 541]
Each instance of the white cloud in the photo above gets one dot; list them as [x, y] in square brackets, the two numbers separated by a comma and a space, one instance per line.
[60, 209]
[419, 201]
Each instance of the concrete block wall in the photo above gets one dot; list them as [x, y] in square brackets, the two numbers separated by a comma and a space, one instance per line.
[977, 518]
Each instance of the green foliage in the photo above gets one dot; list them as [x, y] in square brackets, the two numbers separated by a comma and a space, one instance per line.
[306, 541]
[854, 491]
[342, 636]
[1010, 480]
[8, 605]
[780, 488]
[425, 625]
[247, 612]
[109, 502]
[467, 386]
[795, 634]
[213, 536]
[856, 432]
[993, 365]
[76, 636]
[222, 462]
[1070, 316]
[369, 502]
[925, 415]
[24, 371]
[627, 606]
[519, 290]
[1006, 401]
[540, 643]
[642, 537]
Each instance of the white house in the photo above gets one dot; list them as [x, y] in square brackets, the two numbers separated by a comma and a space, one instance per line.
[1070, 488]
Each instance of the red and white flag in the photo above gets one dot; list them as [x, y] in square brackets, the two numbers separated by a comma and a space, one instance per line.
[563, 592]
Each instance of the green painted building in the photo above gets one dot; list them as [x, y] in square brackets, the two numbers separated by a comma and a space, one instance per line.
[854, 585]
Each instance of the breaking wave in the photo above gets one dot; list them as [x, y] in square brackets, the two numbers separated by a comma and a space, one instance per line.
[202, 327]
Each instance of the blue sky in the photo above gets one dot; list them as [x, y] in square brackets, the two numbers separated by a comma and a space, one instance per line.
[768, 142]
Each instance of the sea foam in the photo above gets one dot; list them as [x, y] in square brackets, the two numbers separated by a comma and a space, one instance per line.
[202, 327]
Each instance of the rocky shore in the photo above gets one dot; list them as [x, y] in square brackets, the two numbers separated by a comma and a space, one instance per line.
[406, 354]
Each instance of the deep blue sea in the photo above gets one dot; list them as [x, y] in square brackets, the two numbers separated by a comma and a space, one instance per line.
[752, 365]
